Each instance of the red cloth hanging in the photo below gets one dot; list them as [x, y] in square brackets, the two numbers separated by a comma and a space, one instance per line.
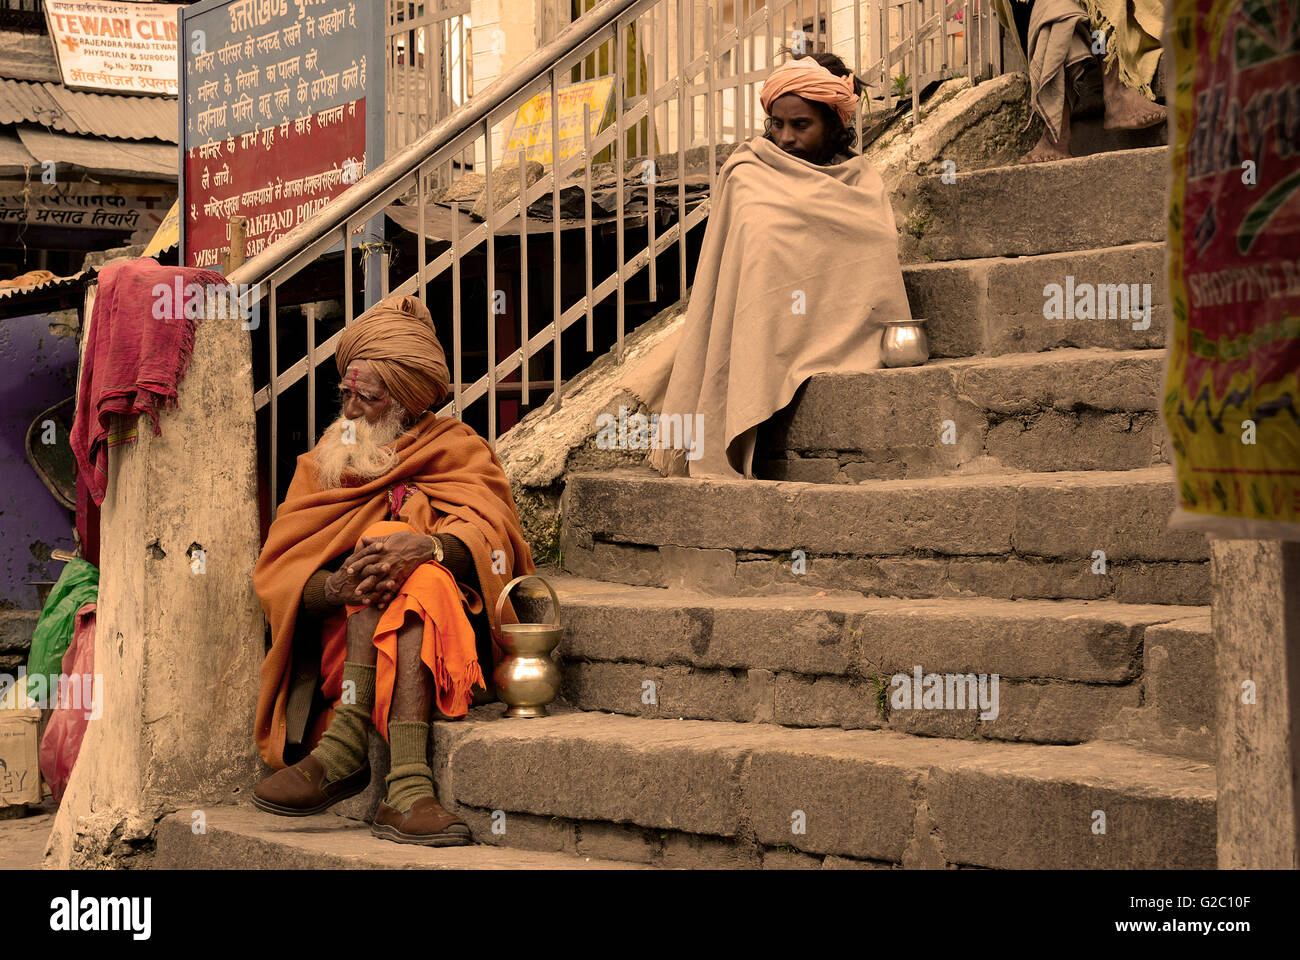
[137, 351]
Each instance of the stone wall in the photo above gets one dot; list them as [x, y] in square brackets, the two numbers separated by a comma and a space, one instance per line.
[38, 367]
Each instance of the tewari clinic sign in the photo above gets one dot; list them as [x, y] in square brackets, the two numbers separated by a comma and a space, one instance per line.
[114, 46]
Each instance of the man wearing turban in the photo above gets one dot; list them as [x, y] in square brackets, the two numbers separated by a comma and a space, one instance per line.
[398, 527]
[767, 313]
[810, 103]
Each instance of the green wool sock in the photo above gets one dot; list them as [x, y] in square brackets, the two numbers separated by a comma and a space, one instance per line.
[345, 745]
[409, 778]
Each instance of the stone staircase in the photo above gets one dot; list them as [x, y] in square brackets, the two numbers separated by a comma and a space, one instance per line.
[729, 646]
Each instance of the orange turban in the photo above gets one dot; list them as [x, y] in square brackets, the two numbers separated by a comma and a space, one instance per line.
[396, 336]
[810, 80]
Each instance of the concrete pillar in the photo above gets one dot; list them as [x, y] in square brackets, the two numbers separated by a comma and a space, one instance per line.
[1256, 620]
[179, 634]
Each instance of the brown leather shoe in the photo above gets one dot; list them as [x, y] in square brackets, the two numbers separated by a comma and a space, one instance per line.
[302, 789]
[426, 823]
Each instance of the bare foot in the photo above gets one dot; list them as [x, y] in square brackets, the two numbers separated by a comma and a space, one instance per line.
[1048, 149]
[1044, 151]
[1126, 109]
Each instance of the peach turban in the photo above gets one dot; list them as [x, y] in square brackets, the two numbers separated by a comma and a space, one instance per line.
[810, 80]
[397, 337]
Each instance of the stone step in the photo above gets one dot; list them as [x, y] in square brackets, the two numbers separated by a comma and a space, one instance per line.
[1023, 209]
[694, 793]
[1061, 410]
[1026, 535]
[1066, 669]
[1088, 135]
[997, 305]
[244, 838]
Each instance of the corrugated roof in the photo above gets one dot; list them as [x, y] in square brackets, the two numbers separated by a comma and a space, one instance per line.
[89, 114]
[26, 56]
[134, 159]
[50, 286]
[14, 157]
[13, 299]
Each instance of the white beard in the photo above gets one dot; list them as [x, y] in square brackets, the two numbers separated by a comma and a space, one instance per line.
[366, 458]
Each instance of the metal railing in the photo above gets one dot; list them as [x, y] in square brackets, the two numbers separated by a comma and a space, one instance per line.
[428, 70]
[686, 73]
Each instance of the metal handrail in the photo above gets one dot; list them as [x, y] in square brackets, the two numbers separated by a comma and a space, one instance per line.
[711, 61]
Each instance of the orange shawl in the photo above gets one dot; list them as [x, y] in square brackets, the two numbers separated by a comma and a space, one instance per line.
[460, 489]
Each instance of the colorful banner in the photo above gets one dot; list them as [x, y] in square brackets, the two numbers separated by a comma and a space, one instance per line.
[1232, 399]
[115, 46]
[274, 116]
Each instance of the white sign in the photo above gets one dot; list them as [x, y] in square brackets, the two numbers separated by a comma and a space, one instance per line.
[115, 46]
[109, 207]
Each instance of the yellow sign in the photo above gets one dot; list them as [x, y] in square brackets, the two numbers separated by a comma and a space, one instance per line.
[531, 133]
[168, 233]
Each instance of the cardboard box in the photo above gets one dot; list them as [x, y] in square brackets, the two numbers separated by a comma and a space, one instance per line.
[20, 769]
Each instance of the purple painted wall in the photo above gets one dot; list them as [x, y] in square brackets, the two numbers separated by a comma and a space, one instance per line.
[38, 368]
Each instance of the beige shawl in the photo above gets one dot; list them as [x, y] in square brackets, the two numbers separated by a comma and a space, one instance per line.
[1135, 42]
[797, 275]
[1058, 51]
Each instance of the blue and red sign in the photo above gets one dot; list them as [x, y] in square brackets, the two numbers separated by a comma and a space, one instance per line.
[274, 119]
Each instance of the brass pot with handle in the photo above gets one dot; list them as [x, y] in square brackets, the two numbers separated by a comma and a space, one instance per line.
[527, 679]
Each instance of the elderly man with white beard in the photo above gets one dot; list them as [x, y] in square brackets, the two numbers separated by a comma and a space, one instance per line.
[397, 528]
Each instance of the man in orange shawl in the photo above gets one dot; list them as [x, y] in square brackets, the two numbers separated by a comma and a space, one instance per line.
[397, 527]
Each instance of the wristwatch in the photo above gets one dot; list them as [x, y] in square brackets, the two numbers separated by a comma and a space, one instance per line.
[437, 547]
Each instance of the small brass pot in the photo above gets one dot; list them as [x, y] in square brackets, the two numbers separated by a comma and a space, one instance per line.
[527, 679]
[904, 343]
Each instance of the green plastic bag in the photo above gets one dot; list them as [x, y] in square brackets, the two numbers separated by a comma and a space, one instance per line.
[78, 585]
